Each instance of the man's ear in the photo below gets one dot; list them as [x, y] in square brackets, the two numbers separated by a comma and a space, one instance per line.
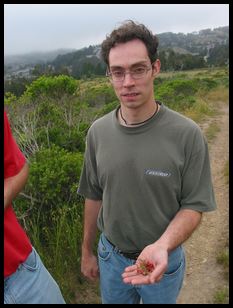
[156, 67]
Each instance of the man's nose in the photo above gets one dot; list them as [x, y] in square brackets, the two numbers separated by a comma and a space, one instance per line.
[128, 80]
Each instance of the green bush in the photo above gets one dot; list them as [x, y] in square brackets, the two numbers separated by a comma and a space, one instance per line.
[52, 213]
[49, 113]
[54, 173]
[98, 94]
[53, 180]
[71, 139]
[177, 94]
[9, 98]
[172, 88]
[107, 108]
[52, 86]
[207, 83]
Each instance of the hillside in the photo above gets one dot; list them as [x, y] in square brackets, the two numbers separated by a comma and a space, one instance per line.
[201, 47]
[34, 57]
[195, 42]
[177, 51]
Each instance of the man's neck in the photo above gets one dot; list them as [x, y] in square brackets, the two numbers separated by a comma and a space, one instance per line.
[133, 117]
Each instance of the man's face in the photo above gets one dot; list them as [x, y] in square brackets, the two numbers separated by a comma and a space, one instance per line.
[133, 57]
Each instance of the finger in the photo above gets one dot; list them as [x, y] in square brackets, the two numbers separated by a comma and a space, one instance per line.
[131, 268]
[159, 278]
[140, 280]
[129, 274]
[157, 274]
[127, 280]
[137, 279]
[154, 279]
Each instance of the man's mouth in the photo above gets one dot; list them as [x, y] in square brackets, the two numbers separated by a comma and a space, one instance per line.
[130, 94]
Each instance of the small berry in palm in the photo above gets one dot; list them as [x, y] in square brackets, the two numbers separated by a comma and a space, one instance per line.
[145, 267]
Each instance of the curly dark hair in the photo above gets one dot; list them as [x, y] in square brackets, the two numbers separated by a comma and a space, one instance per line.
[129, 31]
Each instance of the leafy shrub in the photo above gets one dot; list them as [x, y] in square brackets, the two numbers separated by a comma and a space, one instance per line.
[49, 114]
[207, 83]
[71, 139]
[52, 86]
[107, 108]
[53, 180]
[52, 211]
[177, 94]
[9, 98]
[98, 94]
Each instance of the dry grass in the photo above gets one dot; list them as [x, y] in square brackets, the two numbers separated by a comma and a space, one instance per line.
[226, 172]
[87, 293]
[212, 131]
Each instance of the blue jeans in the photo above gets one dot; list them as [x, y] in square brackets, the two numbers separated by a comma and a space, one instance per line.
[115, 291]
[32, 284]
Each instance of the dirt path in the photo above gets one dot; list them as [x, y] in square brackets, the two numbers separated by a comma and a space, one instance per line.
[203, 275]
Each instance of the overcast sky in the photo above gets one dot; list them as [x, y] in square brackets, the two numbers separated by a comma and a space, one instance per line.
[44, 27]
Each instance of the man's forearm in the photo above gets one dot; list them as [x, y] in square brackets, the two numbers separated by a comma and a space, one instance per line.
[180, 229]
[14, 185]
[91, 211]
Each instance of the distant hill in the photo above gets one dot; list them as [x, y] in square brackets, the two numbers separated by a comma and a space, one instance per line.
[34, 57]
[21, 64]
[195, 42]
[176, 50]
[197, 49]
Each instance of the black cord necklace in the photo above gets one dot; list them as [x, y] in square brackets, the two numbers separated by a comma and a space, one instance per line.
[142, 121]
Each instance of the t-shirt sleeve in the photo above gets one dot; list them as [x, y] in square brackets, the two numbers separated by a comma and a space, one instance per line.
[197, 191]
[89, 185]
[14, 159]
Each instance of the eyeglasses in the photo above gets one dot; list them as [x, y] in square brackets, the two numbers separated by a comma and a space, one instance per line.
[118, 75]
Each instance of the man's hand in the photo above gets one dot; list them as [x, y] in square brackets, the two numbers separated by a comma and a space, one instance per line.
[157, 256]
[89, 266]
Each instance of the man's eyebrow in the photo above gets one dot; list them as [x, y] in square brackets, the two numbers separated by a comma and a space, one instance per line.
[139, 63]
[133, 65]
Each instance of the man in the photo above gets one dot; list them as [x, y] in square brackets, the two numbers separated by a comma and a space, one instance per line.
[26, 280]
[146, 179]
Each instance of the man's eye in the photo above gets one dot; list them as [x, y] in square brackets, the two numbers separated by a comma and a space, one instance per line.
[117, 73]
[139, 70]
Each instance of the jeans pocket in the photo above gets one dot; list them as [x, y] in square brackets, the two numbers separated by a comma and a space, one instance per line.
[174, 270]
[32, 261]
[176, 262]
[104, 252]
[175, 266]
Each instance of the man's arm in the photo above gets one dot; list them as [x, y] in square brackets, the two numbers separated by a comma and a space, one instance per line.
[179, 230]
[14, 185]
[89, 265]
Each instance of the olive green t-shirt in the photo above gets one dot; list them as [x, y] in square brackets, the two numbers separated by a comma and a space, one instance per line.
[144, 175]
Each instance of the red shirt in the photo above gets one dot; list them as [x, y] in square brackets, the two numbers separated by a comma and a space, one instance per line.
[17, 245]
